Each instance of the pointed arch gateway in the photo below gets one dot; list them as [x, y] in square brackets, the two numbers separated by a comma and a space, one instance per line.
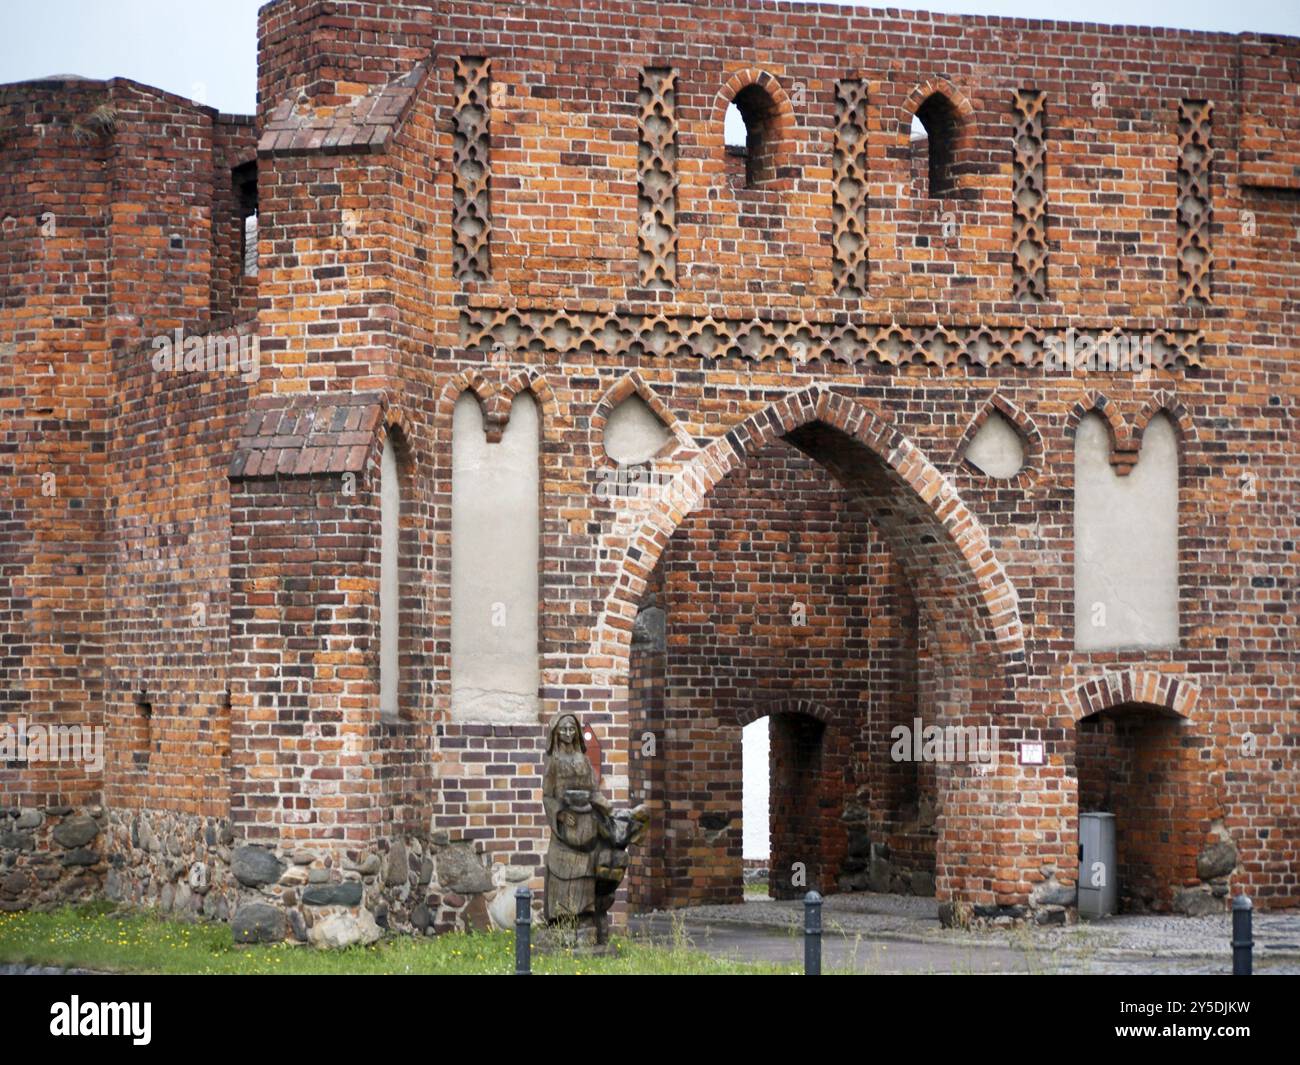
[837, 431]
[961, 588]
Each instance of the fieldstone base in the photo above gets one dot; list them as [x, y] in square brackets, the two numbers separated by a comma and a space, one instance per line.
[50, 856]
[191, 867]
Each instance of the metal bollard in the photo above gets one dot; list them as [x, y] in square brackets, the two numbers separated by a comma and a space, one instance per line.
[812, 934]
[523, 932]
[1243, 942]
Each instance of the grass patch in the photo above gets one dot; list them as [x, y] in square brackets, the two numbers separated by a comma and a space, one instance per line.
[99, 936]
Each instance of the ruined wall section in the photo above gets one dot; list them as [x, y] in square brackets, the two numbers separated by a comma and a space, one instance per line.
[125, 255]
[55, 192]
[234, 286]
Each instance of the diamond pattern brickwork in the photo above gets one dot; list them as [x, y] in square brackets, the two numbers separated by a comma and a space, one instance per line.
[657, 178]
[472, 170]
[1195, 154]
[850, 189]
[1029, 197]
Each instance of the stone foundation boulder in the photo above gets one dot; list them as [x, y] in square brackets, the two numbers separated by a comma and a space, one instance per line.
[340, 930]
[259, 922]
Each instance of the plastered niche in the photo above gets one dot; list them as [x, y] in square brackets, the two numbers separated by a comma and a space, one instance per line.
[996, 448]
[494, 566]
[634, 433]
[1126, 542]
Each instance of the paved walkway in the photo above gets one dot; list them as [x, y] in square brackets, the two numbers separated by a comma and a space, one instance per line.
[901, 934]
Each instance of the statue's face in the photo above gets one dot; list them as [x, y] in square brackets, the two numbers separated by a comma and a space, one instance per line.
[568, 731]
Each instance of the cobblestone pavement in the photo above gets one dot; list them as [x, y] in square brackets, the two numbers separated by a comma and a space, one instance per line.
[901, 933]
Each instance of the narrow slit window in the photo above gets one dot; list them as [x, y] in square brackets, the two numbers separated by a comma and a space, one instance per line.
[142, 737]
[245, 179]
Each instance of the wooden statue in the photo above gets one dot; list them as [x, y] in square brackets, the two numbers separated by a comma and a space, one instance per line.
[587, 856]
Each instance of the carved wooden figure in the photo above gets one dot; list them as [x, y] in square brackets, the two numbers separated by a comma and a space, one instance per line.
[587, 856]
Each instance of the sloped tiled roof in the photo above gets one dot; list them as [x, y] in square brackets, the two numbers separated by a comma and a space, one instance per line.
[305, 435]
[364, 125]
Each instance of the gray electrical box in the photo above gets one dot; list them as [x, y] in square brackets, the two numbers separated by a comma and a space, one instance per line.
[1098, 876]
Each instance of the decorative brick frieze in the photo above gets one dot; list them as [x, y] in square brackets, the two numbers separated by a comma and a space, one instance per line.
[849, 210]
[1195, 156]
[875, 345]
[471, 220]
[657, 178]
[1029, 196]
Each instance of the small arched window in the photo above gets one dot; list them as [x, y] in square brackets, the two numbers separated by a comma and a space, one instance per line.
[750, 136]
[390, 585]
[934, 133]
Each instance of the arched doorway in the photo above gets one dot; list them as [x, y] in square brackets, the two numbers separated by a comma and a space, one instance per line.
[968, 654]
[1141, 756]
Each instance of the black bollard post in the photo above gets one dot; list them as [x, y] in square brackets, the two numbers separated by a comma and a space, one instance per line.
[1243, 942]
[812, 934]
[523, 932]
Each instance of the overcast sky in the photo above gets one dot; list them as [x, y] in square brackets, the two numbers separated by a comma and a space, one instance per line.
[207, 49]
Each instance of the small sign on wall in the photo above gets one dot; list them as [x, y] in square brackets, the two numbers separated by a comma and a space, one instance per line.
[1031, 752]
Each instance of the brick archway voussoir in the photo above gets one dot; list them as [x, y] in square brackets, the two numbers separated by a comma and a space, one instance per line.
[1145, 687]
[784, 705]
[858, 422]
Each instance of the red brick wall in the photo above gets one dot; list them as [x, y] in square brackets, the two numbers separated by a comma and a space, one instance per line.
[368, 301]
[166, 488]
[134, 538]
[54, 298]
[329, 49]
[115, 587]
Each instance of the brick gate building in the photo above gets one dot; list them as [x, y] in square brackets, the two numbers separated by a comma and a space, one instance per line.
[560, 402]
